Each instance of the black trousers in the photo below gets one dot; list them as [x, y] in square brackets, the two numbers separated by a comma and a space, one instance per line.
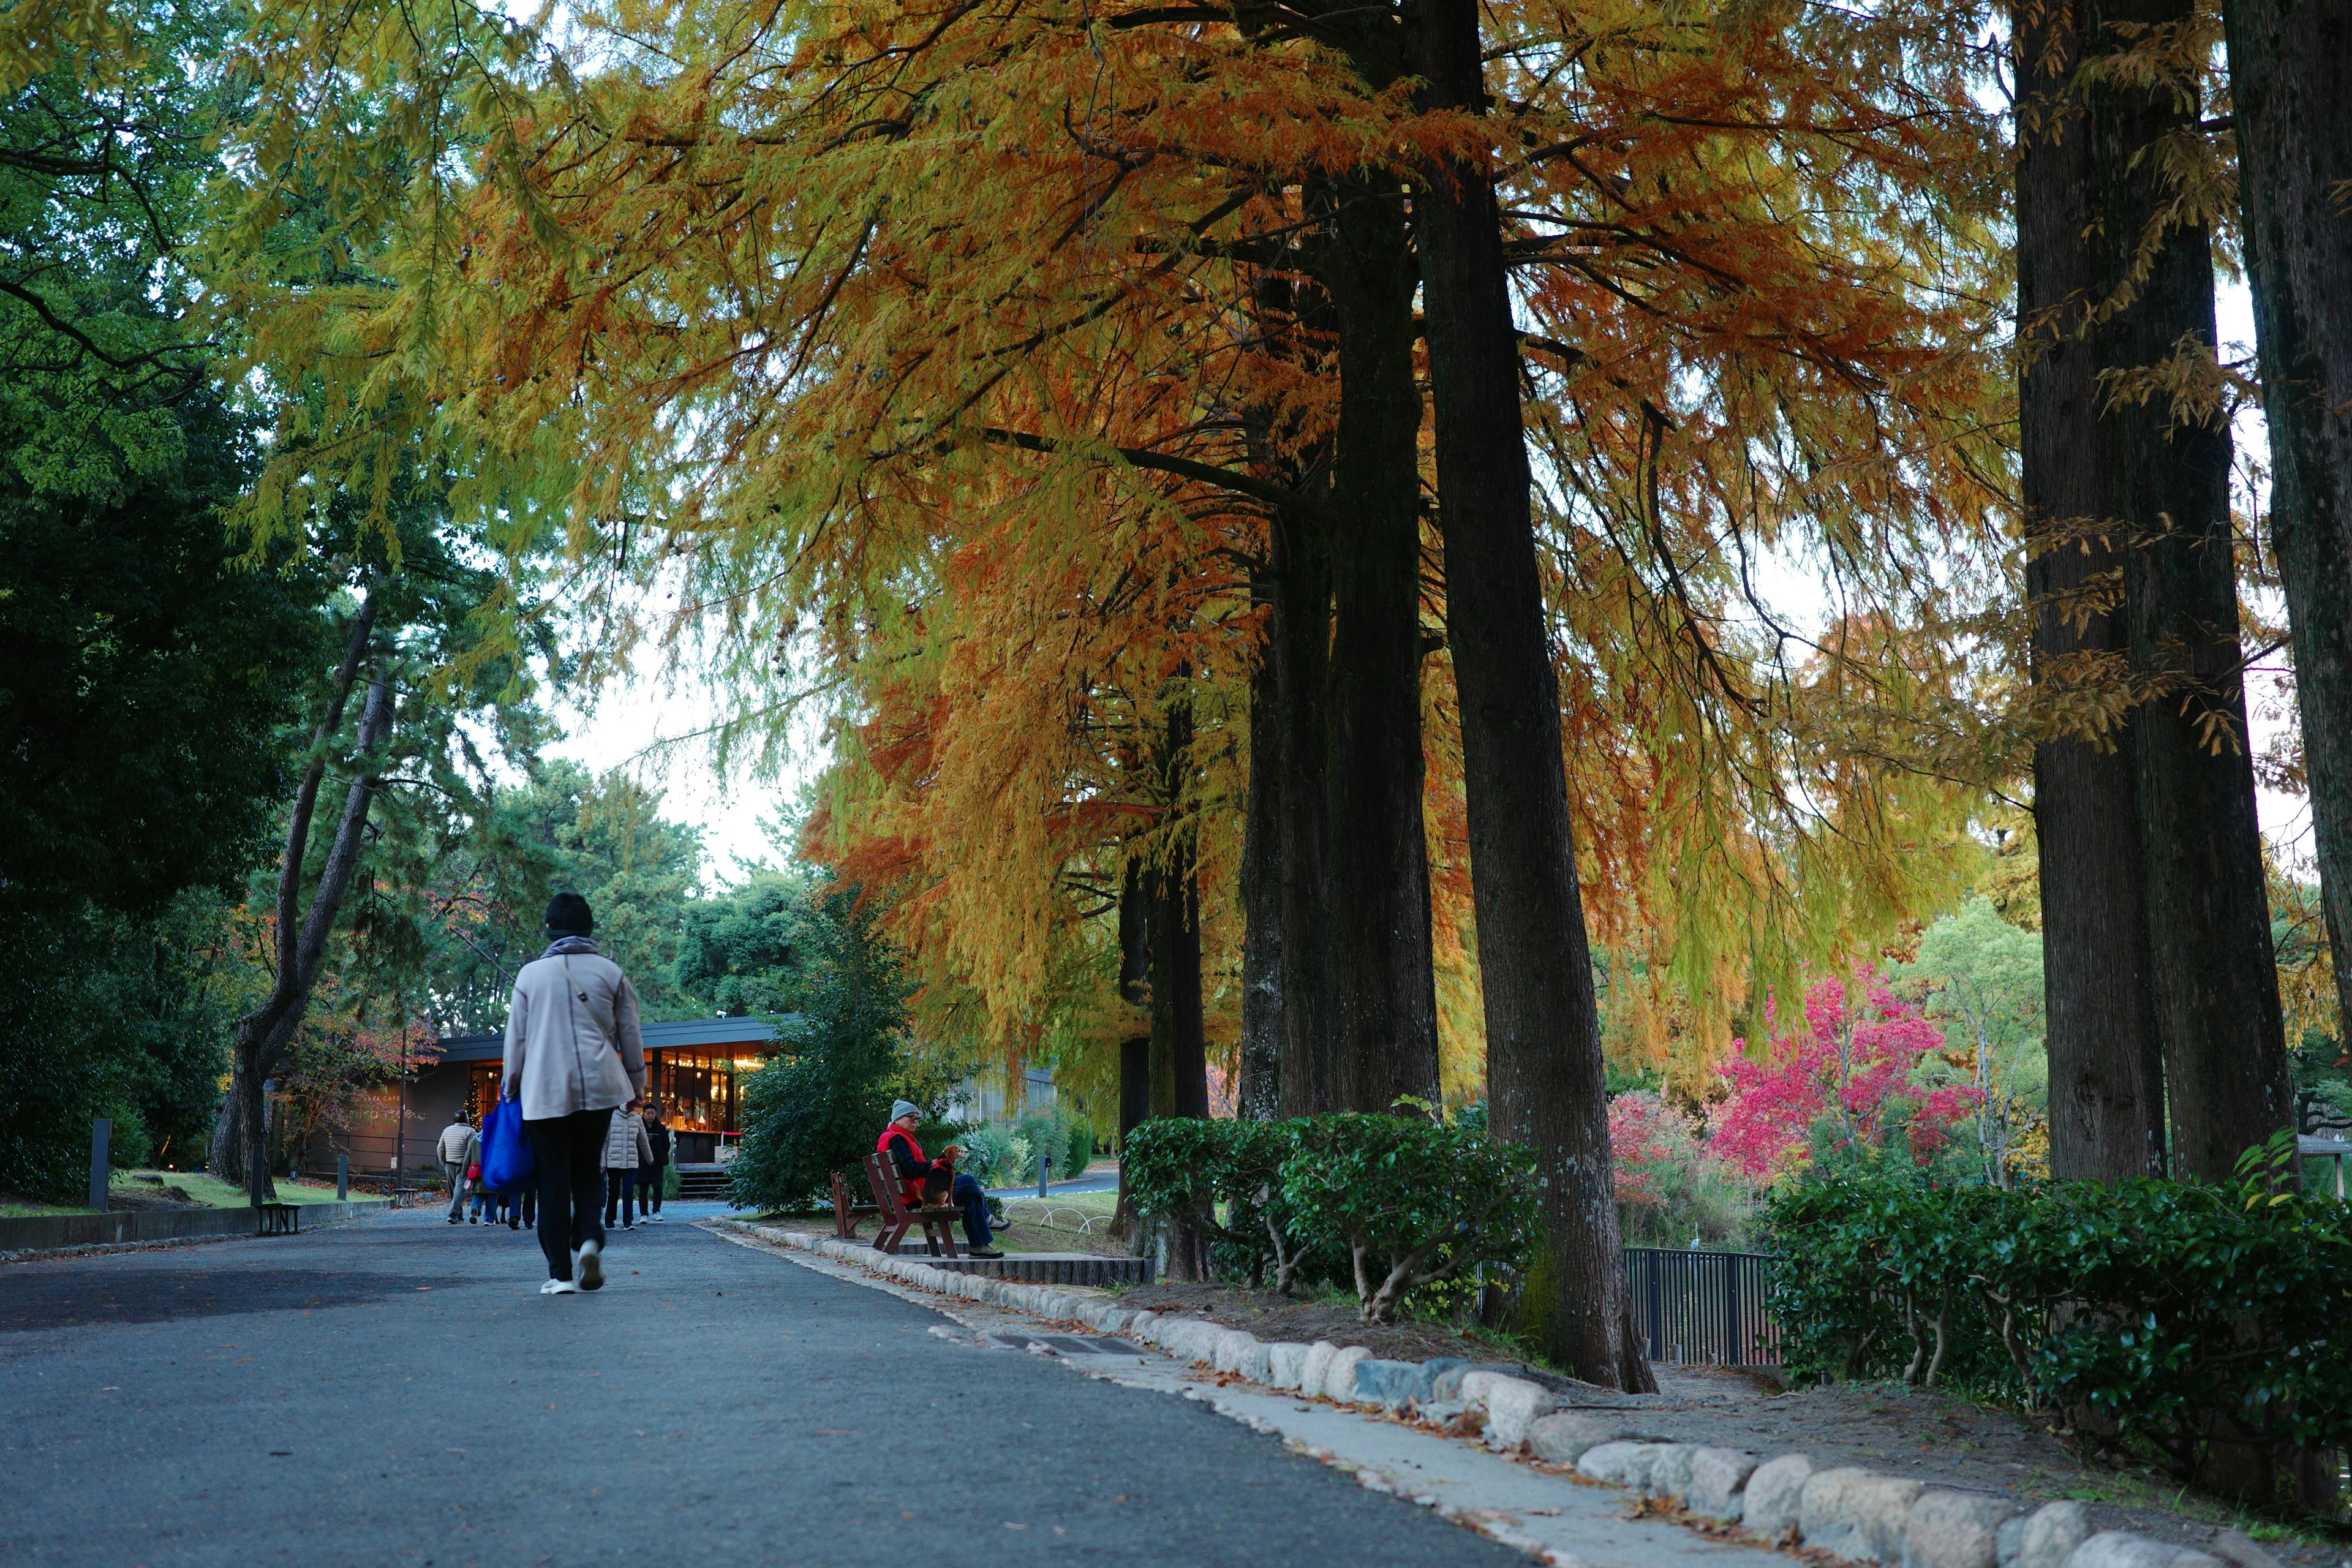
[649, 1188]
[570, 1151]
[620, 1194]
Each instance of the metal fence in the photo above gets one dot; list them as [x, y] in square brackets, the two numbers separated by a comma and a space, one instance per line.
[1703, 1309]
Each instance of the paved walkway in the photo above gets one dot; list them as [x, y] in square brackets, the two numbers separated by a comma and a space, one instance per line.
[397, 1393]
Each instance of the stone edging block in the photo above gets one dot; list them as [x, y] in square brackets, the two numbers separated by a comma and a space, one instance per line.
[1847, 1512]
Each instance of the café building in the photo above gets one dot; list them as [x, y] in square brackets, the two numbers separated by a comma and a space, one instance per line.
[692, 1068]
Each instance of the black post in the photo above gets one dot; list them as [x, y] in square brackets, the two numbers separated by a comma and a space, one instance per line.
[400, 1128]
[1734, 1354]
[101, 1135]
[342, 1177]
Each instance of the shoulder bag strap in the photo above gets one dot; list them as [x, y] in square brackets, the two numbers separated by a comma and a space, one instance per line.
[611, 1035]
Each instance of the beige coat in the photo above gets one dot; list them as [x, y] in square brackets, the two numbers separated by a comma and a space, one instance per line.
[627, 1147]
[573, 1043]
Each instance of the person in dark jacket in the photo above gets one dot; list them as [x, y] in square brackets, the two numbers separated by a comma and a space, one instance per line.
[924, 1180]
[657, 1135]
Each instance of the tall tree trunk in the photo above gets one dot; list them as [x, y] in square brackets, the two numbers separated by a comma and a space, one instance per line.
[1135, 1048]
[1180, 1062]
[2107, 1080]
[239, 1151]
[1382, 1019]
[1258, 1096]
[1179, 1081]
[1182, 901]
[2291, 94]
[1301, 651]
[2166, 470]
[1544, 1079]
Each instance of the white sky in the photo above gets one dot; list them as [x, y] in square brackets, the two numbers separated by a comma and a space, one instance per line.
[630, 720]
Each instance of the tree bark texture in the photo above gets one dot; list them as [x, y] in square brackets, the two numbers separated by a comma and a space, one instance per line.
[1180, 1062]
[1258, 1096]
[2213, 977]
[2291, 95]
[261, 1036]
[2106, 1079]
[1135, 989]
[1382, 1014]
[1134, 1049]
[1545, 1082]
[1301, 653]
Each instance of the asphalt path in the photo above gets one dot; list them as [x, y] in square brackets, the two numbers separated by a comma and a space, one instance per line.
[396, 1392]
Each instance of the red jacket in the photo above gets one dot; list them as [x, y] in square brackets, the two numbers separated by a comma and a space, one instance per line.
[914, 1168]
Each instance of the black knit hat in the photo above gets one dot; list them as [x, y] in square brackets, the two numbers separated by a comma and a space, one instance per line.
[567, 915]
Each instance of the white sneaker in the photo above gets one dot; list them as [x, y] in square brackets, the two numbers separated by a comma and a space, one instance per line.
[559, 1288]
[591, 1265]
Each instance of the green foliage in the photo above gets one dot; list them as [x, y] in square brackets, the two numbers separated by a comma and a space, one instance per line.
[100, 1015]
[1415, 1202]
[817, 1106]
[1981, 978]
[1069, 1140]
[144, 675]
[742, 951]
[1407, 1203]
[2158, 1317]
[988, 1155]
[105, 151]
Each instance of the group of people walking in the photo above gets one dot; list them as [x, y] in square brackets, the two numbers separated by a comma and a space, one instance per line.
[636, 1168]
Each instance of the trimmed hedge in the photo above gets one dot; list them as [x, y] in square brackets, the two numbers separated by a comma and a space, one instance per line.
[1395, 1203]
[2158, 1317]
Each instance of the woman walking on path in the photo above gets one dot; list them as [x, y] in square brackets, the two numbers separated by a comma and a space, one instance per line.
[626, 1152]
[573, 1055]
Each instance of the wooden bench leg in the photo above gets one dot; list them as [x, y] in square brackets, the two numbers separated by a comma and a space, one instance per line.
[892, 1232]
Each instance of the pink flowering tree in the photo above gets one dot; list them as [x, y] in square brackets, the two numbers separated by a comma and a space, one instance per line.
[1669, 1186]
[1849, 1072]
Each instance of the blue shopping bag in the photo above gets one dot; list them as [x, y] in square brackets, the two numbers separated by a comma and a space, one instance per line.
[506, 1153]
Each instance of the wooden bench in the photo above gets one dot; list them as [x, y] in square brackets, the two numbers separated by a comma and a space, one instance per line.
[845, 1215]
[897, 1219]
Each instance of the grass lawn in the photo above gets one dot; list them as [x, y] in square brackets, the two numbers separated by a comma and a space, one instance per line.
[220, 1195]
[204, 1189]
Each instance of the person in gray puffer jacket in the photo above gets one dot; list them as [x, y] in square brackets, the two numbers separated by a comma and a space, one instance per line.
[628, 1152]
[574, 1053]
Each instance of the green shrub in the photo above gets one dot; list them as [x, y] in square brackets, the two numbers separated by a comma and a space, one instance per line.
[987, 1155]
[1069, 1143]
[1415, 1202]
[2161, 1318]
[818, 1104]
[1396, 1203]
[1224, 1180]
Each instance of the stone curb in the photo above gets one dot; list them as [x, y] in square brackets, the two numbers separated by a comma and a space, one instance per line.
[1854, 1515]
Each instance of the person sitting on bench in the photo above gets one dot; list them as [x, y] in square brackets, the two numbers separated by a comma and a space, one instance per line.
[924, 1182]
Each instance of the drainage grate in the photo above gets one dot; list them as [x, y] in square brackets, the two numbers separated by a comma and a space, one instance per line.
[1062, 1344]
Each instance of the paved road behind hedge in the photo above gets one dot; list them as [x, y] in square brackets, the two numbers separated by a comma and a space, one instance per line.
[397, 1393]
